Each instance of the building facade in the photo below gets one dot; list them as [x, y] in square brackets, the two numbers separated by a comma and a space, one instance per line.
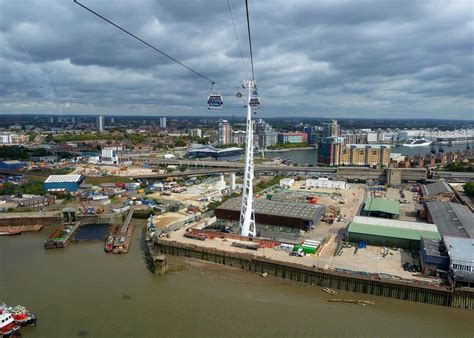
[293, 137]
[196, 132]
[264, 135]
[365, 155]
[329, 151]
[239, 137]
[331, 129]
[162, 122]
[224, 133]
[100, 123]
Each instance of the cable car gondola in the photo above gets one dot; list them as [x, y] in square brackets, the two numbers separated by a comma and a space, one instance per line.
[215, 100]
[254, 103]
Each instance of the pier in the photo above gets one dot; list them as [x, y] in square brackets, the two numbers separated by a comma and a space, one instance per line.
[122, 241]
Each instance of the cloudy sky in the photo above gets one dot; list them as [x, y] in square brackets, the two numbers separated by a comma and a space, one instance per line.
[370, 59]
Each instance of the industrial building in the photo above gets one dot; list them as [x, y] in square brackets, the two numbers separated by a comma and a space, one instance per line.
[433, 256]
[452, 219]
[69, 183]
[12, 165]
[461, 259]
[285, 214]
[287, 182]
[323, 182]
[32, 201]
[437, 191]
[381, 207]
[391, 233]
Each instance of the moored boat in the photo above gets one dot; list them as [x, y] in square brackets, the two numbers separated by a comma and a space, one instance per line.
[418, 142]
[10, 232]
[21, 315]
[8, 326]
[109, 244]
[110, 241]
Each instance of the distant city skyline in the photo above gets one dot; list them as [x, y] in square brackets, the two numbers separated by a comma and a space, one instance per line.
[377, 60]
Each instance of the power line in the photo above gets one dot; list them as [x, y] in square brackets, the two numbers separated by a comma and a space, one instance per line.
[250, 38]
[236, 36]
[152, 47]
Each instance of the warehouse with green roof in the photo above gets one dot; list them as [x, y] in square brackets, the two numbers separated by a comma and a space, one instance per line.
[381, 207]
[390, 233]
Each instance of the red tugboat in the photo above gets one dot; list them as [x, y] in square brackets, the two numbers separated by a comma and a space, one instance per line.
[22, 316]
[8, 326]
[109, 242]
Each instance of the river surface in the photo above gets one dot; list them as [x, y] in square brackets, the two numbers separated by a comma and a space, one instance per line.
[310, 156]
[81, 291]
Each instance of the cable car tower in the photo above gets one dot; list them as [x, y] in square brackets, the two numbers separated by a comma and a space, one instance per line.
[247, 214]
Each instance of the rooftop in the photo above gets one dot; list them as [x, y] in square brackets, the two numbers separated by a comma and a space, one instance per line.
[393, 228]
[452, 219]
[382, 205]
[433, 248]
[363, 146]
[460, 248]
[63, 179]
[12, 162]
[433, 189]
[211, 149]
[305, 211]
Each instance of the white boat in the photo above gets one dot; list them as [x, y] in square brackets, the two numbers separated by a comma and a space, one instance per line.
[419, 142]
[8, 326]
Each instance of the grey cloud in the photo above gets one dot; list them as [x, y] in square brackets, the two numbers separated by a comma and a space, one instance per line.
[325, 58]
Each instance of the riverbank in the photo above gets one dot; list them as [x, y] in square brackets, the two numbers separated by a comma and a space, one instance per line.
[349, 281]
[82, 292]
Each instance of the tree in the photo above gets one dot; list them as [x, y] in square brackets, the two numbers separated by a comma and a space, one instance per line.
[49, 138]
[8, 189]
[469, 188]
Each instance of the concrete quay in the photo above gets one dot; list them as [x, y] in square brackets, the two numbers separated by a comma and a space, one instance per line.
[290, 268]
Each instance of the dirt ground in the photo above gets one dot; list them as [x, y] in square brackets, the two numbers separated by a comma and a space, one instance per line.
[161, 221]
[91, 170]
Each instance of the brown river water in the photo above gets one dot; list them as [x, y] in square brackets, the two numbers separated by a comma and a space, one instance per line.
[81, 291]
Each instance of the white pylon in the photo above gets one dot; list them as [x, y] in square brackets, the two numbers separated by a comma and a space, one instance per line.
[247, 215]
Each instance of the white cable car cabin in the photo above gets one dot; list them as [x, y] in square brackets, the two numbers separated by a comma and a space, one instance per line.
[254, 102]
[215, 101]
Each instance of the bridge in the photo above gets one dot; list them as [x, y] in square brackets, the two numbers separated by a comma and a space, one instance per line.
[392, 175]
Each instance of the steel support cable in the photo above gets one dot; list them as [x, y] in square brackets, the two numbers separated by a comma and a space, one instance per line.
[152, 47]
[250, 38]
[236, 35]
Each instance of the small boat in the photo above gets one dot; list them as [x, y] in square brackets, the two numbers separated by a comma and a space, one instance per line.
[110, 241]
[109, 244]
[10, 233]
[351, 301]
[330, 291]
[8, 326]
[22, 316]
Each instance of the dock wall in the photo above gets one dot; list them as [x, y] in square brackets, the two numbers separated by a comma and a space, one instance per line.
[20, 221]
[336, 280]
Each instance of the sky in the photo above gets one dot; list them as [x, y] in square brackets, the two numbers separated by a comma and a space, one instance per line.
[353, 59]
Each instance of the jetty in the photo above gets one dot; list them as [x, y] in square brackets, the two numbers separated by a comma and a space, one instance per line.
[122, 240]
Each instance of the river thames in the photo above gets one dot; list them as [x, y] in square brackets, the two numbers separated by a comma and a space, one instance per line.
[80, 291]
